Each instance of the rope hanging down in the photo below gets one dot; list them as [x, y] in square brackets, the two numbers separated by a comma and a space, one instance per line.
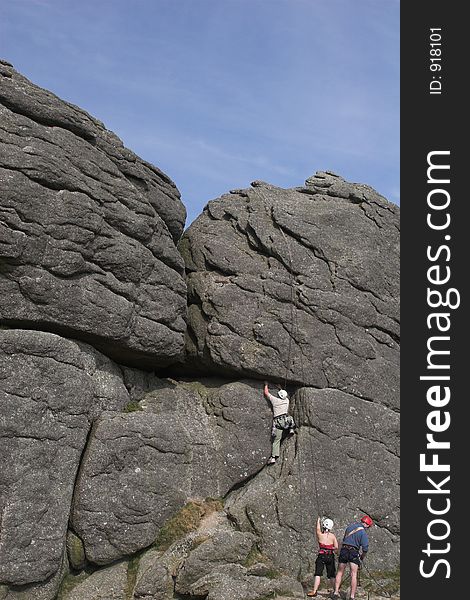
[297, 329]
[295, 332]
[295, 324]
[388, 595]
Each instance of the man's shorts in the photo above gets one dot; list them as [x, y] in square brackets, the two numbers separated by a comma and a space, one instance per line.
[349, 555]
[328, 561]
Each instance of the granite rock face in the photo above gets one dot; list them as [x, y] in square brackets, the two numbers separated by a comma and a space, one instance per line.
[187, 441]
[105, 584]
[125, 402]
[228, 424]
[316, 271]
[88, 231]
[215, 562]
[42, 590]
[132, 479]
[51, 390]
[343, 463]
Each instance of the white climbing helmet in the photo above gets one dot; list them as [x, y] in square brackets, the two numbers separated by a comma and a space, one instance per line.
[282, 394]
[327, 524]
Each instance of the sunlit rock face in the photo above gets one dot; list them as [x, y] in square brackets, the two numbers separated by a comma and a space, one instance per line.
[134, 433]
[300, 285]
[88, 231]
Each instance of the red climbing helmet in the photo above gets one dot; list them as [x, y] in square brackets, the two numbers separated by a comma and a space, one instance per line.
[367, 521]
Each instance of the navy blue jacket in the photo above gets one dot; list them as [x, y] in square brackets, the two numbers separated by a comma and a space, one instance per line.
[358, 539]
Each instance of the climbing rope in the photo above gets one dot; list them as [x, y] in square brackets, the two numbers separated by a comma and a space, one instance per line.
[295, 332]
[294, 318]
[312, 460]
[295, 324]
[388, 595]
[292, 307]
[288, 364]
[295, 327]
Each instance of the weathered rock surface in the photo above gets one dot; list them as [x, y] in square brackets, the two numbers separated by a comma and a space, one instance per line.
[87, 231]
[44, 590]
[316, 272]
[75, 551]
[155, 578]
[132, 479]
[188, 441]
[233, 581]
[343, 463]
[51, 390]
[215, 562]
[297, 286]
[105, 584]
[224, 547]
[228, 424]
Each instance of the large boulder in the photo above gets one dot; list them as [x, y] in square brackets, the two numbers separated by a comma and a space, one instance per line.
[216, 562]
[105, 584]
[315, 270]
[51, 390]
[183, 441]
[132, 479]
[88, 231]
[224, 547]
[228, 424]
[235, 582]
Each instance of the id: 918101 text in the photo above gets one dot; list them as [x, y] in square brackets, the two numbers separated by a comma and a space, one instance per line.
[435, 58]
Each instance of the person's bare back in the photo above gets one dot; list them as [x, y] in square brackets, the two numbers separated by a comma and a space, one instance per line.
[326, 537]
[328, 547]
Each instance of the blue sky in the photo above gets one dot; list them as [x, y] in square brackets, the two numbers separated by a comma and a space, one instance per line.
[218, 93]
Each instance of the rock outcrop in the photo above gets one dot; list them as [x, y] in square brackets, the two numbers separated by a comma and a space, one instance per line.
[344, 462]
[185, 441]
[214, 561]
[133, 429]
[51, 389]
[88, 231]
[316, 271]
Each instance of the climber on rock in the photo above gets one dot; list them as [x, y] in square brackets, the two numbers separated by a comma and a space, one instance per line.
[326, 554]
[281, 420]
[354, 548]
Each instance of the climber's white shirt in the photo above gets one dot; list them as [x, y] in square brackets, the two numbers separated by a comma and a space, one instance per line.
[280, 407]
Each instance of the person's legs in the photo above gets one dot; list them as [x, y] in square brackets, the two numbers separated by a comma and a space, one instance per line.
[318, 573]
[331, 570]
[339, 576]
[354, 568]
[316, 585]
[276, 447]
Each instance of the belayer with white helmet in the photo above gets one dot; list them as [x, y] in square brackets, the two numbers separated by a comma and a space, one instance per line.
[281, 420]
[326, 554]
[353, 551]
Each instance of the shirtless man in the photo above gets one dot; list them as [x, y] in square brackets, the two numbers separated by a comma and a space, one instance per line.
[326, 554]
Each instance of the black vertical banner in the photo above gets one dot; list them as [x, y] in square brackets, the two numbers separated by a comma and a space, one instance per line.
[434, 294]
